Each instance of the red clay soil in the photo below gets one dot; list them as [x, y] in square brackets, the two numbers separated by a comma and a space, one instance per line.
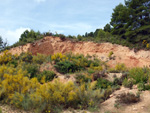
[51, 45]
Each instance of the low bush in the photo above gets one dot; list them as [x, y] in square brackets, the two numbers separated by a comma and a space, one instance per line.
[26, 57]
[89, 96]
[91, 71]
[120, 67]
[5, 57]
[128, 83]
[39, 58]
[117, 81]
[46, 76]
[103, 83]
[81, 78]
[143, 86]
[139, 75]
[32, 69]
[127, 98]
[66, 67]
[98, 74]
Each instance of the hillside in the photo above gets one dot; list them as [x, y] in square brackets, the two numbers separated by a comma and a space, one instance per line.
[51, 45]
[59, 75]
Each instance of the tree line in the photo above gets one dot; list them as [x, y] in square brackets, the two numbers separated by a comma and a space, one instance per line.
[129, 25]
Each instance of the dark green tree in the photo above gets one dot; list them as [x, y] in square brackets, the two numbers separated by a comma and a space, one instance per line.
[131, 21]
[119, 19]
[30, 36]
[139, 20]
[79, 37]
[101, 34]
[86, 34]
[91, 34]
[24, 36]
[96, 32]
[107, 28]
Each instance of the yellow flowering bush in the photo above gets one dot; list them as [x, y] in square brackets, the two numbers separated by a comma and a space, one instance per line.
[58, 57]
[5, 57]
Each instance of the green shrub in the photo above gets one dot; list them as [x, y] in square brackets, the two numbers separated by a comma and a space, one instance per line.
[107, 92]
[80, 78]
[91, 71]
[139, 75]
[14, 63]
[89, 96]
[99, 74]
[32, 69]
[103, 83]
[48, 76]
[39, 58]
[66, 67]
[128, 83]
[26, 57]
[120, 67]
[142, 86]
[117, 81]
[25, 102]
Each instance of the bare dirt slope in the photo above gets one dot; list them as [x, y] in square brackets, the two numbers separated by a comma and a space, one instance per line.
[50, 45]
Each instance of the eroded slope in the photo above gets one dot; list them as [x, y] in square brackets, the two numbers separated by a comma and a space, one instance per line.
[51, 45]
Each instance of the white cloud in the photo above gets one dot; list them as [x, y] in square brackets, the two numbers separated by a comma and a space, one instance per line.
[39, 1]
[12, 36]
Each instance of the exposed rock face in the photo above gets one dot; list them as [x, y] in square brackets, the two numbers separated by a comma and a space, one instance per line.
[51, 45]
[20, 49]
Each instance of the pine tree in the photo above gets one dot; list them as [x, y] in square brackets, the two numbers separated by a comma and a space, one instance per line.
[119, 19]
[132, 20]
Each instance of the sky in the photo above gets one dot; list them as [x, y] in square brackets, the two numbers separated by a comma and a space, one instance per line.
[69, 17]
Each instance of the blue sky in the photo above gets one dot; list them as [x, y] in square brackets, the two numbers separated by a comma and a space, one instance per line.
[69, 17]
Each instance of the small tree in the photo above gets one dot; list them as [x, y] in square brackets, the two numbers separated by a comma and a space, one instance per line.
[3, 44]
[107, 28]
[79, 37]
